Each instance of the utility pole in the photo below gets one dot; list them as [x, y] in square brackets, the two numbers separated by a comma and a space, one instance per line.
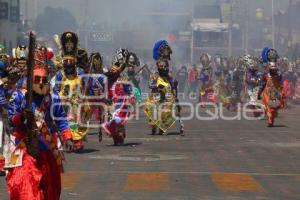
[247, 27]
[290, 27]
[192, 36]
[230, 32]
[86, 31]
[26, 12]
[273, 25]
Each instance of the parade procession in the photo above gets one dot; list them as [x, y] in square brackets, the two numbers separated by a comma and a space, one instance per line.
[150, 115]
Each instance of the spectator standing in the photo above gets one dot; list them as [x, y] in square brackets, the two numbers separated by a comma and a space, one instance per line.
[182, 76]
[193, 79]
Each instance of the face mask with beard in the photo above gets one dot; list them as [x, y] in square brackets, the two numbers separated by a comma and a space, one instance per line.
[40, 81]
[70, 70]
[273, 72]
[163, 72]
[163, 68]
[97, 65]
[69, 66]
[40, 89]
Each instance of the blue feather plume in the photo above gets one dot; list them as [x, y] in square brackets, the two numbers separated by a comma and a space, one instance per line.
[264, 54]
[156, 48]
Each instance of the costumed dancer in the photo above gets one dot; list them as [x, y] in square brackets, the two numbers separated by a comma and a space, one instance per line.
[19, 64]
[119, 98]
[207, 91]
[32, 156]
[290, 83]
[297, 88]
[132, 74]
[47, 54]
[237, 86]
[271, 90]
[12, 77]
[252, 81]
[227, 91]
[4, 62]
[70, 84]
[163, 95]
[217, 67]
[97, 88]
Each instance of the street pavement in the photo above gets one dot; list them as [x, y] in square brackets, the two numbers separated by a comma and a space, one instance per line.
[216, 160]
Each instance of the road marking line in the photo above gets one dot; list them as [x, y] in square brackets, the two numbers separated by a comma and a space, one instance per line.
[236, 182]
[240, 130]
[228, 131]
[70, 179]
[247, 141]
[147, 182]
[190, 172]
[139, 157]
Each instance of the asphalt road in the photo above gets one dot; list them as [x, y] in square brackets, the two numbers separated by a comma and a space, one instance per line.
[216, 160]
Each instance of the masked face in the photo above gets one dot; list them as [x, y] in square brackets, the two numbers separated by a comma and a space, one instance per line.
[163, 67]
[97, 65]
[115, 69]
[273, 72]
[165, 52]
[40, 81]
[272, 55]
[130, 71]
[21, 65]
[273, 69]
[204, 60]
[69, 66]
[218, 61]
[253, 68]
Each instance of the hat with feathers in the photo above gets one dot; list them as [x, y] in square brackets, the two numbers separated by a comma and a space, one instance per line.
[162, 49]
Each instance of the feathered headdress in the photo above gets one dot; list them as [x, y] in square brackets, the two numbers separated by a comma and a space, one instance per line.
[69, 42]
[162, 49]
[264, 54]
[269, 55]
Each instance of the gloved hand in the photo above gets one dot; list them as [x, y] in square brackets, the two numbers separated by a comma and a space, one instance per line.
[68, 146]
[28, 115]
